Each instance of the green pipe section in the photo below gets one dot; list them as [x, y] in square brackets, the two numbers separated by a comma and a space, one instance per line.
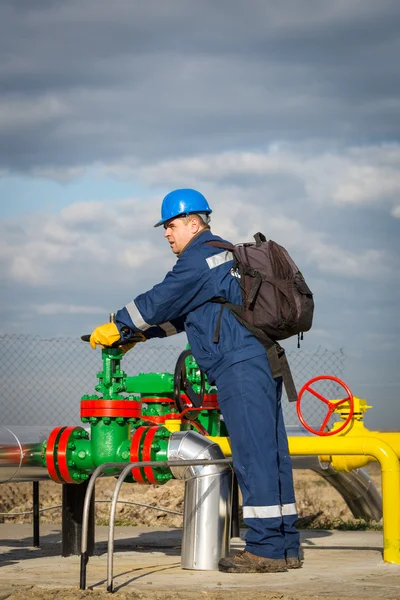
[107, 440]
[110, 437]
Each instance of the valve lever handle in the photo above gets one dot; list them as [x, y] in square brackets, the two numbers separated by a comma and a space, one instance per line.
[86, 338]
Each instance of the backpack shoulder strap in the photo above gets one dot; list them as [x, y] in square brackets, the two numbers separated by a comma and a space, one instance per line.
[223, 245]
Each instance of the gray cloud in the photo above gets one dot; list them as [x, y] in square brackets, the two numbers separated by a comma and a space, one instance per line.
[83, 82]
[286, 115]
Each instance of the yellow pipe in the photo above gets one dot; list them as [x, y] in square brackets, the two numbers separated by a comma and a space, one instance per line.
[391, 438]
[340, 463]
[390, 478]
[224, 443]
[365, 446]
[173, 425]
[346, 463]
[357, 429]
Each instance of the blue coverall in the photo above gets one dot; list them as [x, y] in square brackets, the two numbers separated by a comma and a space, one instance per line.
[249, 398]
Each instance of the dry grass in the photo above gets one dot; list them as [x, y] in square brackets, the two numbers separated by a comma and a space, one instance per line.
[319, 505]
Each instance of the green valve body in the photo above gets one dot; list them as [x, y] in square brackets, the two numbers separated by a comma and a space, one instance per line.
[125, 428]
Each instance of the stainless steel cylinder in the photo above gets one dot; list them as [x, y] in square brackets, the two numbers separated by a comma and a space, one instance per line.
[208, 501]
[356, 487]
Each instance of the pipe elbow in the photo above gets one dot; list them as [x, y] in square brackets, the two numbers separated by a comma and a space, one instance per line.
[383, 452]
[190, 445]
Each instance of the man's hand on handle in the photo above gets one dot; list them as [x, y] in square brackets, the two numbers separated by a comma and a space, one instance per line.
[108, 335]
[105, 335]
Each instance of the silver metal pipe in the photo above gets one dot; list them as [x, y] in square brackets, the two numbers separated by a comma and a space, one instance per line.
[208, 501]
[98, 472]
[126, 469]
[21, 453]
[356, 487]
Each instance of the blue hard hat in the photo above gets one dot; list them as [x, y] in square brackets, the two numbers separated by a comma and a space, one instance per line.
[182, 202]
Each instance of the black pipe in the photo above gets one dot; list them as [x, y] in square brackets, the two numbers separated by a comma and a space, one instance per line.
[73, 498]
[36, 515]
[235, 522]
[82, 578]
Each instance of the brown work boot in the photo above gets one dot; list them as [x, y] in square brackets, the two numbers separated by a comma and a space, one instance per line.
[294, 562]
[246, 562]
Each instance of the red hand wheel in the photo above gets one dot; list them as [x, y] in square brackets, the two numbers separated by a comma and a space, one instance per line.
[331, 405]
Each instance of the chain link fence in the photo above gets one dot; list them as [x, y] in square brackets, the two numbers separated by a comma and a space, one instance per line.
[42, 380]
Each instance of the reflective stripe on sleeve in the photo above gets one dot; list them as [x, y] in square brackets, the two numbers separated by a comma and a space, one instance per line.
[136, 317]
[169, 328]
[219, 259]
[289, 509]
[261, 512]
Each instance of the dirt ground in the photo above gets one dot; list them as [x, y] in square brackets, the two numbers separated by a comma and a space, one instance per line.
[73, 594]
[318, 503]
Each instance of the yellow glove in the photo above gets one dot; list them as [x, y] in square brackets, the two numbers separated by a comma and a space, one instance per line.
[105, 335]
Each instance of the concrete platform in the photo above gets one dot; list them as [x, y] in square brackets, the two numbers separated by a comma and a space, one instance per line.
[338, 564]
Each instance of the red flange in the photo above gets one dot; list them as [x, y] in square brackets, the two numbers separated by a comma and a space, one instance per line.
[331, 405]
[51, 453]
[111, 408]
[135, 447]
[62, 454]
[157, 400]
[146, 453]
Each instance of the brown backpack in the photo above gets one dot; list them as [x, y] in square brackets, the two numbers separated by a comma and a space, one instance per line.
[276, 301]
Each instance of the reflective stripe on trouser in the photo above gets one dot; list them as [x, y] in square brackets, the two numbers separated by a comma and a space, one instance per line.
[250, 402]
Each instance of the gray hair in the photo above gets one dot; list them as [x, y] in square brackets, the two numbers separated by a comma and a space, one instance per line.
[203, 217]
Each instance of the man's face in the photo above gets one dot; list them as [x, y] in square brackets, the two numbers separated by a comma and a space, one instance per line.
[179, 233]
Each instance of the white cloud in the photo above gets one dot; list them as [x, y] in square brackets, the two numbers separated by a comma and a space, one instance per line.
[329, 258]
[396, 211]
[356, 176]
[307, 247]
[92, 213]
[367, 183]
[89, 239]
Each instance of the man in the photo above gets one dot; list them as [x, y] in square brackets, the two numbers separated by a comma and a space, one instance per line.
[249, 398]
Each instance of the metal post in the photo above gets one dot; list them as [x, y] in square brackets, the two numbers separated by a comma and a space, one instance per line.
[235, 524]
[35, 518]
[73, 498]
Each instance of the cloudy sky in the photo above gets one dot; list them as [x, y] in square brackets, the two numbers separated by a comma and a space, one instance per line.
[285, 115]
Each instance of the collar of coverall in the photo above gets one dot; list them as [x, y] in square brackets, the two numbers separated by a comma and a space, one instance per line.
[198, 234]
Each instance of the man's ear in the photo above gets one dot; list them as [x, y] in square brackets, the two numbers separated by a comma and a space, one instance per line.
[194, 224]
